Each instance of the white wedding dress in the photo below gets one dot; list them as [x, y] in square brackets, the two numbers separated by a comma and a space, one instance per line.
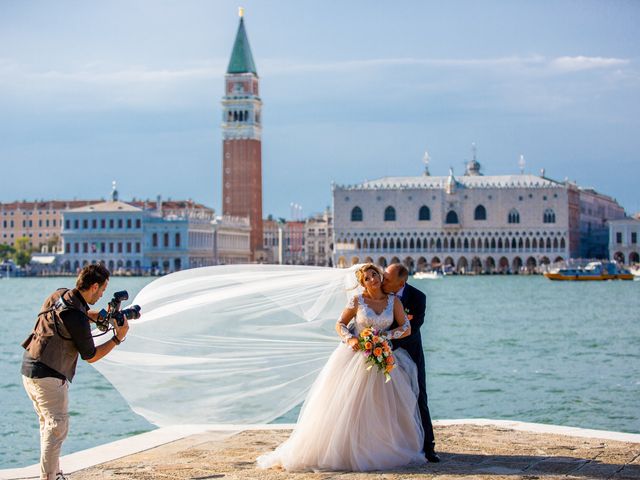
[351, 419]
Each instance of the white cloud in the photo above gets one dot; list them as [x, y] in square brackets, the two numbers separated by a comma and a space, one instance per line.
[574, 64]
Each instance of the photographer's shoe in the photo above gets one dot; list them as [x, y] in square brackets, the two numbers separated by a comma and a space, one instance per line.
[60, 476]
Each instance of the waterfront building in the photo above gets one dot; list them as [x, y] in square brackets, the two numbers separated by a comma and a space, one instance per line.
[283, 241]
[318, 239]
[471, 223]
[241, 138]
[623, 240]
[109, 232]
[596, 211]
[155, 237]
[39, 221]
[232, 240]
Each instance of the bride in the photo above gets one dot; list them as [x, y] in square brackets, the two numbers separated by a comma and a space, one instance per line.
[351, 419]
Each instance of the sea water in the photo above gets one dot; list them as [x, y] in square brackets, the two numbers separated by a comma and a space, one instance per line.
[502, 347]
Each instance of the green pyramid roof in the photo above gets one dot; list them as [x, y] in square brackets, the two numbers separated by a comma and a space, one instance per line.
[241, 58]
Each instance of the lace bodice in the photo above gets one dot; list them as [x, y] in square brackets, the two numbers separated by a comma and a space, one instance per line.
[366, 317]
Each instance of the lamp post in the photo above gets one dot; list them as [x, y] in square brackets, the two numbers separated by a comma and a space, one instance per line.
[280, 229]
[214, 225]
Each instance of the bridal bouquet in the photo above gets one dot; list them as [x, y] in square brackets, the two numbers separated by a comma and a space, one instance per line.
[377, 351]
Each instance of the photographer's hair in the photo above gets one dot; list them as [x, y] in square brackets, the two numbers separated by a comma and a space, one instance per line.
[90, 274]
[364, 269]
[403, 273]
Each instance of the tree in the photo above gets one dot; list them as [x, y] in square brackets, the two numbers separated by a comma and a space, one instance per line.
[22, 255]
[6, 252]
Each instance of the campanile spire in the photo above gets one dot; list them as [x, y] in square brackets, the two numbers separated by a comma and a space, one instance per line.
[241, 137]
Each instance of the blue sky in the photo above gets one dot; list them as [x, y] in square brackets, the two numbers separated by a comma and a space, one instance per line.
[130, 90]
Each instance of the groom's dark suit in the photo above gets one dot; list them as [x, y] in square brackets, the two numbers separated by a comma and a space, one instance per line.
[414, 303]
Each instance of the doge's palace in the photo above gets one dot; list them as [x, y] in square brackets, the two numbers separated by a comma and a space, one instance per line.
[468, 223]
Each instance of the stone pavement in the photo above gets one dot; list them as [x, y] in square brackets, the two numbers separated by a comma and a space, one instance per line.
[467, 451]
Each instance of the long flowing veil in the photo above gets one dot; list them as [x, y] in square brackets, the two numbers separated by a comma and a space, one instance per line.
[228, 344]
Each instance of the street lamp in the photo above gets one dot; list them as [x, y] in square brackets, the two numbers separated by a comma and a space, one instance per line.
[214, 225]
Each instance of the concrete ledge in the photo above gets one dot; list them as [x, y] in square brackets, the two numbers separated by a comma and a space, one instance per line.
[218, 433]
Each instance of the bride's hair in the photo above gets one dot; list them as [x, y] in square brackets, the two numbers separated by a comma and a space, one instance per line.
[364, 269]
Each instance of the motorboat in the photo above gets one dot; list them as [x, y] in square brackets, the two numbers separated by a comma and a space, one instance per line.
[594, 271]
[427, 275]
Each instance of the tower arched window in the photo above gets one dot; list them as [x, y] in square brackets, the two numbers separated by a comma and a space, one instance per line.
[514, 216]
[452, 218]
[424, 213]
[480, 213]
[356, 214]
[389, 214]
[235, 116]
[246, 115]
[549, 216]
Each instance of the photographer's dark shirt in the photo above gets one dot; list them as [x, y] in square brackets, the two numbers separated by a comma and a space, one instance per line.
[80, 331]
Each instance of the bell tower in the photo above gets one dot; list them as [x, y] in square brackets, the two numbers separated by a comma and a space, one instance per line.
[241, 139]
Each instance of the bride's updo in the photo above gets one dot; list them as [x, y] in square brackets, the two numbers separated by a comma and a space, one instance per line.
[364, 269]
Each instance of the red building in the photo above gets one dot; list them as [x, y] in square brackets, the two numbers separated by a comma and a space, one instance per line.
[242, 145]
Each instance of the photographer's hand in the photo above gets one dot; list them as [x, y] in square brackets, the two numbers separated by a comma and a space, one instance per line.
[120, 332]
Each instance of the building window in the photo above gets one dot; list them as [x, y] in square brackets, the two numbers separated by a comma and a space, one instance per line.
[119, 247]
[480, 213]
[85, 224]
[424, 213]
[76, 224]
[111, 223]
[85, 247]
[177, 240]
[138, 223]
[618, 237]
[119, 223]
[389, 214]
[549, 216]
[94, 223]
[128, 247]
[356, 214]
[110, 247]
[154, 240]
[634, 237]
[103, 223]
[514, 216]
[452, 218]
[76, 247]
[129, 223]
[137, 247]
[166, 240]
[67, 248]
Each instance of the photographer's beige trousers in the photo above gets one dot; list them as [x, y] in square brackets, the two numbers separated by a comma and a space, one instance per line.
[50, 397]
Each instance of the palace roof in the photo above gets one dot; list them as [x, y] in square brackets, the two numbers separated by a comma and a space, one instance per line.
[108, 207]
[463, 181]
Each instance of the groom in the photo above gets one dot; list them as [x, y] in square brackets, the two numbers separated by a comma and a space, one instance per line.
[414, 302]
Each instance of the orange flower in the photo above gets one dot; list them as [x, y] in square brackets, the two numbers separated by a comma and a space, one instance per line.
[410, 317]
[389, 360]
[368, 345]
[377, 351]
[376, 339]
[388, 368]
[366, 332]
[386, 347]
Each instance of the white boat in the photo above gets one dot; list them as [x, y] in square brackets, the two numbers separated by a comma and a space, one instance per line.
[427, 275]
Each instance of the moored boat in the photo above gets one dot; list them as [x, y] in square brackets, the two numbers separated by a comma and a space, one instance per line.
[594, 271]
[427, 275]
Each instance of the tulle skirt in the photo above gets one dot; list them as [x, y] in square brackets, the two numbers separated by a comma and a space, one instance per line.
[352, 420]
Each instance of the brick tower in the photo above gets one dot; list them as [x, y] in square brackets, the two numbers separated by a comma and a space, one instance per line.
[241, 137]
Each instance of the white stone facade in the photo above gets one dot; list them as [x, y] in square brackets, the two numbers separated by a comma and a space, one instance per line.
[473, 223]
[318, 240]
[623, 241]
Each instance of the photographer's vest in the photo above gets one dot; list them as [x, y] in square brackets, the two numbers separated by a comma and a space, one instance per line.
[50, 342]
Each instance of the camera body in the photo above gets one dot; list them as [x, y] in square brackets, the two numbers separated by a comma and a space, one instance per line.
[114, 316]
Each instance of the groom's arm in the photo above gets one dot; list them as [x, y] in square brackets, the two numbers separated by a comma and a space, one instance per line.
[419, 311]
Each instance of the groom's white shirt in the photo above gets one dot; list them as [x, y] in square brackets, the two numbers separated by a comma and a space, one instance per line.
[400, 292]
